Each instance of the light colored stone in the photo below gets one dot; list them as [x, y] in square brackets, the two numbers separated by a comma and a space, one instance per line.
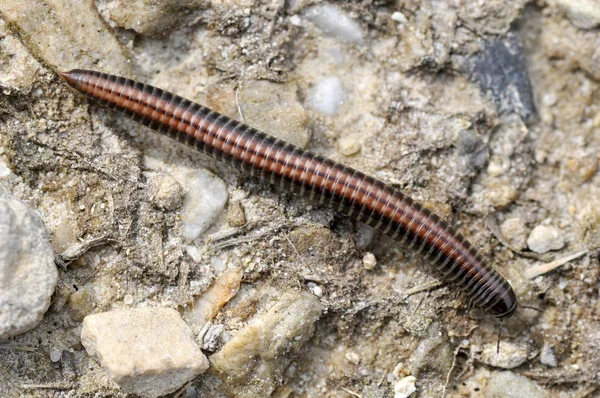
[205, 199]
[147, 17]
[28, 274]
[64, 45]
[252, 363]
[404, 387]
[500, 193]
[348, 145]
[547, 356]
[544, 238]
[584, 14]
[166, 192]
[515, 232]
[327, 96]
[508, 384]
[222, 290]
[55, 354]
[236, 216]
[335, 22]
[275, 109]
[369, 261]
[147, 351]
[510, 356]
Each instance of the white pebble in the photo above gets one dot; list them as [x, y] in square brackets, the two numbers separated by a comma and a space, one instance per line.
[128, 299]
[55, 354]
[404, 387]
[4, 170]
[334, 21]
[317, 291]
[348, 146]
[205, 199]
[544, 238]
[399, 17]
[547, 356]
[369, 261]
[327, 96]
[353, 357]
[296, 20]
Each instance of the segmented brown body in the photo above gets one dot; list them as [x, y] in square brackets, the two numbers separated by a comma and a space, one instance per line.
[294, 169]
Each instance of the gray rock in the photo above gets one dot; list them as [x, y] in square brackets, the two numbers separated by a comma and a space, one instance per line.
[147, 351]
[501, 70]
[28, 274]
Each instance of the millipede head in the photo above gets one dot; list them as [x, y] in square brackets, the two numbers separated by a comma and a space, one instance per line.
[506, 306]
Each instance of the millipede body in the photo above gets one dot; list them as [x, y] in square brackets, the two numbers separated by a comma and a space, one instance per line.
[303, 172]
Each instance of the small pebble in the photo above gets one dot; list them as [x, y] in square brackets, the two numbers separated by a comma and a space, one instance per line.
[165, 191]
[55, 355]
[296, 20]
[235, 214]
[348, 146]
[500, 193]
[333, 20]
[405, 387]
[206, 195]
[547, 356]
[510, 356]
[369, 261]
[544, 238]
[318, 291]
[128, 299]
[515, 232]
[581, 170]
[399, 17]
[327, 96]
[352, 357]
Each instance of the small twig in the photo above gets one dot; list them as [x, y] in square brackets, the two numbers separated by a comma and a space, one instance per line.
[295, 250]
[59, 385]
[492, 225]
[182, 390]
[237, 103]
[18, 348]
[422, 288]
[78, 249]
[351, 392]
[456, 352]
[535, 271]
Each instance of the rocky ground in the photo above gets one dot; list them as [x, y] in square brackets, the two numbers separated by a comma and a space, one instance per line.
[177, 275]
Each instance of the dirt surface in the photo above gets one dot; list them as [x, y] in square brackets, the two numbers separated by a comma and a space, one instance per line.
[487, 112]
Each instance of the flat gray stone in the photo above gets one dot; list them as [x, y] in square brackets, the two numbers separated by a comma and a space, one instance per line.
[27, 271]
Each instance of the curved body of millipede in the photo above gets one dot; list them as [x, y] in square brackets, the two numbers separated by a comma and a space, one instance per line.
[296, 170]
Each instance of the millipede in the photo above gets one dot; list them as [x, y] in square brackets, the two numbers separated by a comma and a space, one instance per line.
[299, 171]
